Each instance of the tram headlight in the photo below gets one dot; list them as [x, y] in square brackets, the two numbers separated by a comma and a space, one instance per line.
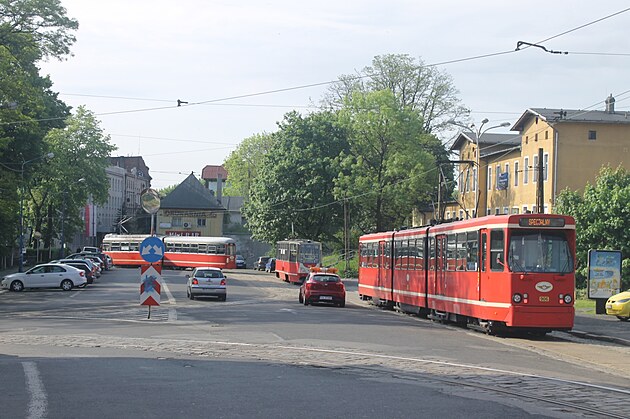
[568, 299]
[517, 298]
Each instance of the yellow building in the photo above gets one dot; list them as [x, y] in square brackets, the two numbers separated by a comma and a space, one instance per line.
[575, 145]
[190, 210]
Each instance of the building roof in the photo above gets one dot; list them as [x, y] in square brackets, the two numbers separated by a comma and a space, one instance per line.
[212, 172]
[191, 194]
[553, 116]
[489, 143]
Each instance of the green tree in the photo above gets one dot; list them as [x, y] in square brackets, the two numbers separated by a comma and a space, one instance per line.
[244, 163]
[74, 175]
[389, 165]
[417, 87]
[602, 215]
[292, 194]
[37, 25]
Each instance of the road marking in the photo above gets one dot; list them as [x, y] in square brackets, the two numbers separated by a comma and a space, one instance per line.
[38, 403]
[172, 312]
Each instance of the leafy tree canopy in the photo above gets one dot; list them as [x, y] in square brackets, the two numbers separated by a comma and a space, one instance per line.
[244, 163]
[389, 165]
[415, 86]
[292, 195]
[602, 215]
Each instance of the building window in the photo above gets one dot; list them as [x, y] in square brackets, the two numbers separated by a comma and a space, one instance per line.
[201, 222]
[515, 210]
[176, 222]
[592, 135]
[526, 171]
[498, 175]
[489, 211]
[535, 169]
[526, 139]
[461, 214]
[497, 211]
[546, 135]
[536, 137]
[448, 215]
[545, 166]
[489, 178]
[475, 179]
[515, 173]
[525, 210]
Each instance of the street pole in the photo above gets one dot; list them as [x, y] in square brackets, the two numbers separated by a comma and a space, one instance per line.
[62, 253]
[540, 187]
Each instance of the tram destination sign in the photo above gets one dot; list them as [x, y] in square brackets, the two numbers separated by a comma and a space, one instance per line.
[541, 222]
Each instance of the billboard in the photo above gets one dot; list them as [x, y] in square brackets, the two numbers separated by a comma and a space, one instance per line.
[604, 273]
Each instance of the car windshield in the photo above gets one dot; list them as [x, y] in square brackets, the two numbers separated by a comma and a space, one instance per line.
[539, 252]
[325, 278]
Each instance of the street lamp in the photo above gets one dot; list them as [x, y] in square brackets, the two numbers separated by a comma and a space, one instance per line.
[478, 134]
[24, 163]
[62, 252]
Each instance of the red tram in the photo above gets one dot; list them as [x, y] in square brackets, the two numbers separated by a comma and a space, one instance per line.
[295, 258]
[494, 273]
[180, 252]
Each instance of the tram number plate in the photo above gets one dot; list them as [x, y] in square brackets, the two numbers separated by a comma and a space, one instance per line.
[544, 299]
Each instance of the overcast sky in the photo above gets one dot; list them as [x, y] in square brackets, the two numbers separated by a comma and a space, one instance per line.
[145, 54]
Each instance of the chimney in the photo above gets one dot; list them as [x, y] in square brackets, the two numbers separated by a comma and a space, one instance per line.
[220, 186]
[610, 104]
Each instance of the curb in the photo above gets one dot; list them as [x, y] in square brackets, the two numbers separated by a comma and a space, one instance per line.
[593, 336]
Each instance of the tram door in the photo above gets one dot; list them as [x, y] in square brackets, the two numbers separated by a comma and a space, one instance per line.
[384, 279]
[482, 273]
[440, 265]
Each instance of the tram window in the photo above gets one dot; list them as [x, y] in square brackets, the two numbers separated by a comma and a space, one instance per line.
[496, 250]
[461, 251]
[212, 249]
[221, 249]
[115, 246]
[420, 254]
[293, 252]
[203, 248]
[431, 253]
[387, 249]
[451, 252]
[472, 245]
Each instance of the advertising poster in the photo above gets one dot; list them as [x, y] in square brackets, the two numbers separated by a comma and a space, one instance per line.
[604, 273]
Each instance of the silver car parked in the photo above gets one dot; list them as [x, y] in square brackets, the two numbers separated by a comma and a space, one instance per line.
[49, 275]
[207, 281]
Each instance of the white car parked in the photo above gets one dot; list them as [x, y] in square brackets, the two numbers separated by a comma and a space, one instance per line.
[49, 275]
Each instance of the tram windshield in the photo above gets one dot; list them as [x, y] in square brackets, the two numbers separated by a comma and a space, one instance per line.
[309, 253]
[539, 252]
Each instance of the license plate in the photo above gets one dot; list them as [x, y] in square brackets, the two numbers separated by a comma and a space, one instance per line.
[608, 305]
[325, 297]
[543, 299]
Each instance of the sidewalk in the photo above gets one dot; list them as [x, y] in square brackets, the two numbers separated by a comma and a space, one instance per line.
[601, 327]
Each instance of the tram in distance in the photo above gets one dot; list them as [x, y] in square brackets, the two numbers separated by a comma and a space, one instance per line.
[180, 251]
[495, 273]
[295, 258]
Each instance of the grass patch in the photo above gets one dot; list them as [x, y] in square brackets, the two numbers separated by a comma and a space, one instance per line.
[337, 261]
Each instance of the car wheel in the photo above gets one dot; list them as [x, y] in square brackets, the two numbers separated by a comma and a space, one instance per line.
[66, 285]
[17, 286]
[223, 298]
[305, 301]
[342, 304]
[623, 319]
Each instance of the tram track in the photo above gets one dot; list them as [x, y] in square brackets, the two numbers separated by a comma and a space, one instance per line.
[561, 396]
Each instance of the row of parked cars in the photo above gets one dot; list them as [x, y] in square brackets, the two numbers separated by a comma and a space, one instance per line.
[76, 270]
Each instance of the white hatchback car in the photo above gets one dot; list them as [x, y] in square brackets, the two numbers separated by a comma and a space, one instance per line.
[207, 282]
[49, 275]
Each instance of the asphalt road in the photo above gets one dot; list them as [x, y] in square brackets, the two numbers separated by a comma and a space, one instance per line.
[94, 353]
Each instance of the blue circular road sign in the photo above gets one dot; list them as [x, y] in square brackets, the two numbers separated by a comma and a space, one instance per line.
[152, 249]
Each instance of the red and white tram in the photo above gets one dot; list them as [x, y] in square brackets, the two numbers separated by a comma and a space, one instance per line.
[180, 252]
[493, 273]
[295, 258]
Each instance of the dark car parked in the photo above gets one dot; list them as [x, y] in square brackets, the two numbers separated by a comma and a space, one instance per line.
[240, 262]
[259, 265]
[271, 265]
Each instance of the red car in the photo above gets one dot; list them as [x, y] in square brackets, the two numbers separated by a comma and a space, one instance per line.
[323, 286]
